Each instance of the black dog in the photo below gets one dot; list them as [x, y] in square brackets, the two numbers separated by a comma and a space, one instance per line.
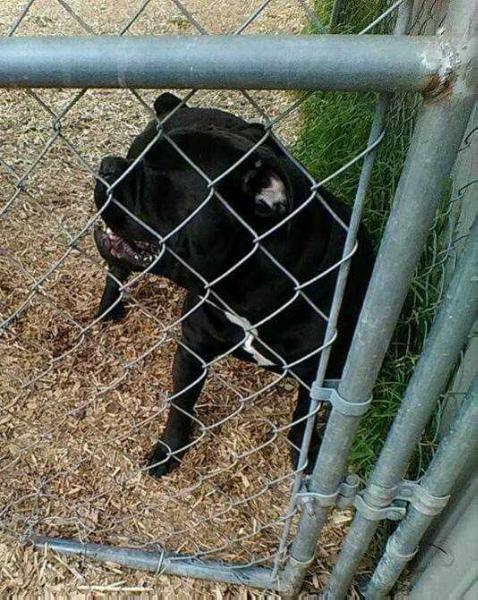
[163, 190]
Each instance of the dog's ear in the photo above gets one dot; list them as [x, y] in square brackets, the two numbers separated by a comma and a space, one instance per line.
[165, 103]
[267, 187]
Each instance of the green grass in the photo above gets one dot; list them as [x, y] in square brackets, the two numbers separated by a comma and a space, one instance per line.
[336, 127]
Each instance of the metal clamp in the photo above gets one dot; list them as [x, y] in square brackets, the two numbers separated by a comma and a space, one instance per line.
[420, 498]
[343, 497]
[347, 491]
[330, 394]
[409, 491]
[406, 491]
[393, 512]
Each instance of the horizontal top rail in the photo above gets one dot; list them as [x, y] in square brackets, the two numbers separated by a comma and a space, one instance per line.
[326, 62]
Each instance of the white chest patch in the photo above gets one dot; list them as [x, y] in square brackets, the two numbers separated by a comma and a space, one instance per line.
[251, 334]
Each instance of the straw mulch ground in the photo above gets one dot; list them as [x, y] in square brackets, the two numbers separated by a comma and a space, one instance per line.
[81, 408]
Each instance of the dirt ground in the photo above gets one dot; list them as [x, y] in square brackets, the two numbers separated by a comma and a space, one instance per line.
[80, 404]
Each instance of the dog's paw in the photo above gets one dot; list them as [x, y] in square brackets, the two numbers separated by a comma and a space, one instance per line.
[116, 313]
[160, 461]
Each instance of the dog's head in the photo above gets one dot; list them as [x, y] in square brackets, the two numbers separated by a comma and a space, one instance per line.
[165, 199]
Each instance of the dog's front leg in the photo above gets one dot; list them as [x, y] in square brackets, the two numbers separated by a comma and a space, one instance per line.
[189, 376]
[111, 308]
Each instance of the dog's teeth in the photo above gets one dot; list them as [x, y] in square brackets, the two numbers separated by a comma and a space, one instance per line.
[136, 256]
[108, 230]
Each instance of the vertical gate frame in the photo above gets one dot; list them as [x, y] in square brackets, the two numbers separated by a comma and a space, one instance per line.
[444, 343]
[439, 130]
[450, 458]
[435, 65]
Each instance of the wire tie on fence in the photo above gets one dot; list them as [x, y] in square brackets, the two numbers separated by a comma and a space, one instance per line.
[305, 563]
[331, 395]
[160, 567]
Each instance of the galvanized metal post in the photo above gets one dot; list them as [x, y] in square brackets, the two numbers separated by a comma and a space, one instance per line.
[438, 133]
[446, 339]
[452, 455]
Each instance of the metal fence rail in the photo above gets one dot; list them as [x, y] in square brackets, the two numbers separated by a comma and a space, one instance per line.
[328, 62]
[61, 506]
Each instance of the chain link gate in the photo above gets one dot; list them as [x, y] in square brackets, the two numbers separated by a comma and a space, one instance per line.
[73, 477]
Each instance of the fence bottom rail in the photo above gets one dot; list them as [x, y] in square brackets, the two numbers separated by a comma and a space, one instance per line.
[165, 563]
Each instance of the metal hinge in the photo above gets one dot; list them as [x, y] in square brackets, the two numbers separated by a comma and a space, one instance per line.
[393, 511]
[331, 395]
[343, 497]
[394, 499]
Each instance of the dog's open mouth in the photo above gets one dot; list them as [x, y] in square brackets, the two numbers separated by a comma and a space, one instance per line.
[138, 254]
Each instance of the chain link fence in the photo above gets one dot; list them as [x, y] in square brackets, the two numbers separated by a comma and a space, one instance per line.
[84, 400]
[82, 397]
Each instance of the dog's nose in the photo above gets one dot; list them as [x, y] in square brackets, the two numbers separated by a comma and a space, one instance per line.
[264, 209]
[271, 199]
